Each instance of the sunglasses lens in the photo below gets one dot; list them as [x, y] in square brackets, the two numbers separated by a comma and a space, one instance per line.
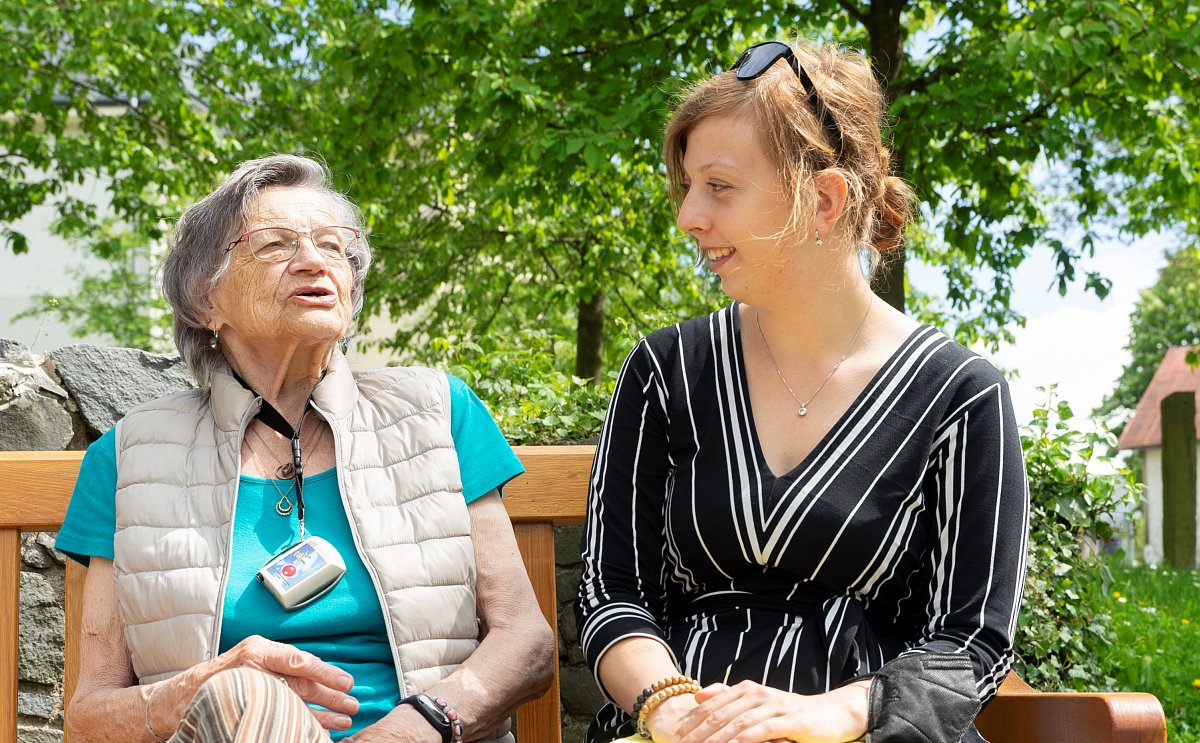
[755, 60]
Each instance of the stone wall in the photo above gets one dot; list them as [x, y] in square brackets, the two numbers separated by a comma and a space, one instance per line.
[66, 399]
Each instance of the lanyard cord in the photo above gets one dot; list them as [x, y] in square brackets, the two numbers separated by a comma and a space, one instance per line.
[276, 422]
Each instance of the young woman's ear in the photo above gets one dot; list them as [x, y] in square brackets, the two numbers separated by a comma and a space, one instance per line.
[831, 199]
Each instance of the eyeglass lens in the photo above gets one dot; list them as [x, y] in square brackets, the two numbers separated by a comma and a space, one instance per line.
[272, 244]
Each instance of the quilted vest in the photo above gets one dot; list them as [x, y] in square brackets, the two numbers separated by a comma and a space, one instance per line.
[178, 463]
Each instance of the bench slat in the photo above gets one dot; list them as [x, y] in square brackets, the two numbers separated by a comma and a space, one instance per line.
[10, 602]
[540, 720]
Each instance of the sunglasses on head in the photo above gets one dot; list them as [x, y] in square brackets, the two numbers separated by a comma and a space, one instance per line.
[758, 59]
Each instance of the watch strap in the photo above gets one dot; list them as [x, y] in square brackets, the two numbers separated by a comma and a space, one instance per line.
[432, 713]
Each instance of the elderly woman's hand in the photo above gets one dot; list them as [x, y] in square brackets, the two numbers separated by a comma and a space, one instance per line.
[312, 679]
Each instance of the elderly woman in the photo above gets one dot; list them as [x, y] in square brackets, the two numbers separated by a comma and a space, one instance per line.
[294, 552]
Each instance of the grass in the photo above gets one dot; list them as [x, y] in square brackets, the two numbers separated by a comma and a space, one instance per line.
[1156, 621]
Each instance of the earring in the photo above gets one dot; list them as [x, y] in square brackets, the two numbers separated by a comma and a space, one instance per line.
[817, 232]
[215, 341]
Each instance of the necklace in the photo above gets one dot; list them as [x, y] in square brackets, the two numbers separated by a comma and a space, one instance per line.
[803, 410]
[284, 505]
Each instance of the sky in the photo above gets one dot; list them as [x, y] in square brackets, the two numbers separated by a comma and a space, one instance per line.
[1078, 341]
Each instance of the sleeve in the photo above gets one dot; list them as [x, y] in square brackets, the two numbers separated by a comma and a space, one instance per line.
[622, 587]
[485, 460]
[91, 521]
[975, 571]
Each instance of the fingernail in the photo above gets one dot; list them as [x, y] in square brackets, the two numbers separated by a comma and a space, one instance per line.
[342, 722]
[347, 683]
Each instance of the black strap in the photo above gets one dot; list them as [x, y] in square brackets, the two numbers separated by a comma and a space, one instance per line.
[274, 420]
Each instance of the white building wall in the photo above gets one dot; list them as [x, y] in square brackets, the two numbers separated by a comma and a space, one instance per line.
[1152, 472]
[45, 269]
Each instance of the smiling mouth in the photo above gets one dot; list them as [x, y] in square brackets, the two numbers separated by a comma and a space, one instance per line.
[716, 254]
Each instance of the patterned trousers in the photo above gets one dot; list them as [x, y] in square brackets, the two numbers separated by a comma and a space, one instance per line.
[244, 705]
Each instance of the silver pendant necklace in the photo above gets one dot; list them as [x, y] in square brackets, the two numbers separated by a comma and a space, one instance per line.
[803, 410]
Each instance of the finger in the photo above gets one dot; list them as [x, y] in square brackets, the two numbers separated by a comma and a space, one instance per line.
[290, 661]
[331, 720]
[317, 693]
[710, 691]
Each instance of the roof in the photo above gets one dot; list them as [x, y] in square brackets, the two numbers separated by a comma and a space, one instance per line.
[1174, 375]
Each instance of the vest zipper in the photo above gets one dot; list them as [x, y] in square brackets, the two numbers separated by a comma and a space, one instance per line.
[344, 491]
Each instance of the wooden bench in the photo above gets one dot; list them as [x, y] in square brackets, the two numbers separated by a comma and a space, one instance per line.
[35, 488]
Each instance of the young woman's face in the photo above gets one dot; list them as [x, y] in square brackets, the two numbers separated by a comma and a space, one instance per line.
[735, 207]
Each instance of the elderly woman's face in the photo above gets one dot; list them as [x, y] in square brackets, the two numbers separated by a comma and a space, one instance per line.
[304, 300]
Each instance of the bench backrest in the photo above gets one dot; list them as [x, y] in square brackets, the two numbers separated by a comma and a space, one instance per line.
[36, 486]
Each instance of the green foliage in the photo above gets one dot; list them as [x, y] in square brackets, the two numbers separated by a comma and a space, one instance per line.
[506, 151]
[532, 401]
[1167, 314]
[1156, 626]
[1069, 506]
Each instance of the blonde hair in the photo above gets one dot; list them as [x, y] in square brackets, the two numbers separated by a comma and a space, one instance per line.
[791, 132]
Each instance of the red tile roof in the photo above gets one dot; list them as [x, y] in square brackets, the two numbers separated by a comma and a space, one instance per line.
[1174, 375]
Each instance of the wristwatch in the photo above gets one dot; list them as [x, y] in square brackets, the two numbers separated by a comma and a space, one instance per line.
[434, 714]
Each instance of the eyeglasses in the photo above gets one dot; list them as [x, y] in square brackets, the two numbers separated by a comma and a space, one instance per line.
[758, 59]
[276, 244]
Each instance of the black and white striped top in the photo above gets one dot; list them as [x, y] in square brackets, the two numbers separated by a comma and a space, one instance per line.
[903, 530]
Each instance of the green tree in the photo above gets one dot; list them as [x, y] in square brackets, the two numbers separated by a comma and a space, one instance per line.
[506, 151]
[1167, 314]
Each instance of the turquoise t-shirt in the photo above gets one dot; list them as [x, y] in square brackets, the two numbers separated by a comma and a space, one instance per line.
[345, 627]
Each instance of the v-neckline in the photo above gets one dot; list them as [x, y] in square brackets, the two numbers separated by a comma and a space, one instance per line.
[760, 459]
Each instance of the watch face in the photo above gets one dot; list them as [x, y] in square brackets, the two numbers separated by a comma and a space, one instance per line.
[431, 706]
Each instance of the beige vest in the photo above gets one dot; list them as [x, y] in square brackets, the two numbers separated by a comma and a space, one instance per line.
[178, 463]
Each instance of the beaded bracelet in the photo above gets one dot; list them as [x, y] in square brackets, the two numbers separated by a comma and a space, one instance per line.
[660, 696]
[655, 687]
[456, 728]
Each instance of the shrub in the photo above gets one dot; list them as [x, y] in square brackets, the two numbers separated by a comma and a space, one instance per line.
[1070, 507]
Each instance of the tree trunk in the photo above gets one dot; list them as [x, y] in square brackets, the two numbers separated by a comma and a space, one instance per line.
[1179, 479]
[884, 27]
[589, 337]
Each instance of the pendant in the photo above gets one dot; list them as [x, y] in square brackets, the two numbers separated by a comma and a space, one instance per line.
[803, 411]
[284, 507]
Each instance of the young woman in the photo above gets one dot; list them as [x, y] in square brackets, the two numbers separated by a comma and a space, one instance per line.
[808, 513]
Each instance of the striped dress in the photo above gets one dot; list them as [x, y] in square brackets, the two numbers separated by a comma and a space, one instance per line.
[903, 530]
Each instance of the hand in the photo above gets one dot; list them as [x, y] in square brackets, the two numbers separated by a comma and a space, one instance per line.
[665, 720]
[752, 713]
[313, 680]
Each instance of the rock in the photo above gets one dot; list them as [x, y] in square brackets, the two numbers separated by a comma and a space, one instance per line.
[579, 692]
[44, 706]
[566, 545]
[31, 421]
[40, 651]
[14, 352]
[107, 382]
[31, 734]
[37, 551]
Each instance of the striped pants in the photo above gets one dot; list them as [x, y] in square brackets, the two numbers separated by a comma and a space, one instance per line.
[244, 705]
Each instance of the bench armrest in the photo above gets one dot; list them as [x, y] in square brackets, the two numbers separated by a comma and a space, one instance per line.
[1055, 717]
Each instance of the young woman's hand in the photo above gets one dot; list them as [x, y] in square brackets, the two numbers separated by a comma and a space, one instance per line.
[752, 713]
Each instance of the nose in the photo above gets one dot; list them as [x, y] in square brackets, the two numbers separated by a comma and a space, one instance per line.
[307, 257]
[692, 218]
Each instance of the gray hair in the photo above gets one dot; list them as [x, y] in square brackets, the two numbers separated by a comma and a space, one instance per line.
[197, 258]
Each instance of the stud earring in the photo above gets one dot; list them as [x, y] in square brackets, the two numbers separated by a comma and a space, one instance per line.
[817, 233]
[215, 342]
